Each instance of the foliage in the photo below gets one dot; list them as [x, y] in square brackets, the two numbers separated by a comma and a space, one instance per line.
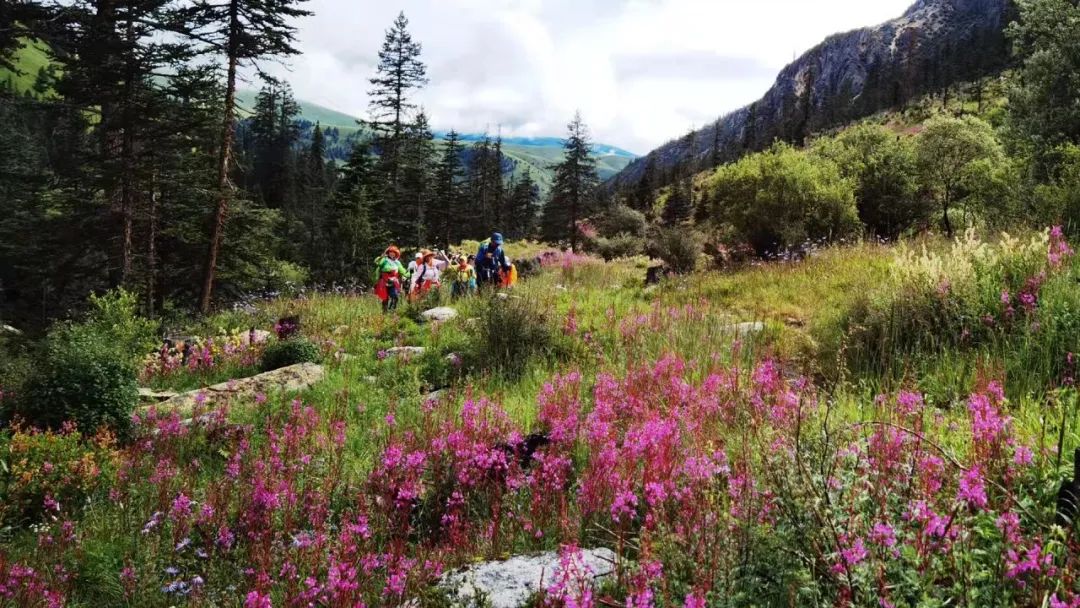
[81, 378]
[1010, 300]
[509, 335]
[573, 196]
[284, 353]
[619, 246]
[679, 248]
[46, 474]
[1043, 114]
[782, 199]
[881, 165]
[620, 219]
[951, 155]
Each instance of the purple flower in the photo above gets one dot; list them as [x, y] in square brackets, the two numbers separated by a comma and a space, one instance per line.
[972, 489]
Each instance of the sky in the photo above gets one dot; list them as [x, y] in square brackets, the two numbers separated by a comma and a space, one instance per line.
[641, 72]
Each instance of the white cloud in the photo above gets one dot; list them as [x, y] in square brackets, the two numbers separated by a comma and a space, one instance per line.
[640, 71]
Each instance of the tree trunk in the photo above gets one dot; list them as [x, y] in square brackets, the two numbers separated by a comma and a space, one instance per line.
[945, 215]
[151, 247]
[224, 186]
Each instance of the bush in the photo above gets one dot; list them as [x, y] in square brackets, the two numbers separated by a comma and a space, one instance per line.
[781, 199]
[82, 379]
[679, 248]
[290, 352]
[621, 220]
[49, 472]
[114, 321]
[619, 246]
[508, 334]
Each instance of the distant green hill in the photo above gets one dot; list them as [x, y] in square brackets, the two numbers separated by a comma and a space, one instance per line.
[29, 60]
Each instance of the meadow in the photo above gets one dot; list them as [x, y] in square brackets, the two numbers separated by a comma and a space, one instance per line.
[875, 425]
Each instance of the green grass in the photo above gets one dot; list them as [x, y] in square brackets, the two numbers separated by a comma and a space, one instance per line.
[29, 60]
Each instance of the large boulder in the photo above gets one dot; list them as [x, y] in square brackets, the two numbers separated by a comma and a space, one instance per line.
[9, 330]
[510, 583]
[286, 379]
[439, 315]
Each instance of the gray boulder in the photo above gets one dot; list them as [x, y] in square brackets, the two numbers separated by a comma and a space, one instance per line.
[9, 330]
[405, 352]
[243, 391]
[439, 315]
[510, 583]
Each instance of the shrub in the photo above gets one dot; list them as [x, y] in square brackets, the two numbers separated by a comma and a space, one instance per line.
[781, 199]
[290, 352]
[114, 321]
[48, 472]
[508, 334]
[619, 246]
[679, 248]
[80, 378]
[621, 220]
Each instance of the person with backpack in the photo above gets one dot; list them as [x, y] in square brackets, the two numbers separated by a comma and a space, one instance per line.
[389, 275]
[491, 261]
[429, 275]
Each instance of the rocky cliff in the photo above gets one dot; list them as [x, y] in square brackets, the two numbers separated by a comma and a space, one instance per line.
[849, 76]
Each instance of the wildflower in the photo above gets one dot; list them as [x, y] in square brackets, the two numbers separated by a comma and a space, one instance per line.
[625, 505]
[884, 535]
[260, 398]
[1023, 456]
[255, 599]
[694, 600]
[51, 504]
[181, 507]
[972, 491]
[382, 355]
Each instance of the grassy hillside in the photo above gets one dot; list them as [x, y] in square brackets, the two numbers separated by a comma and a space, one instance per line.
[29, 60]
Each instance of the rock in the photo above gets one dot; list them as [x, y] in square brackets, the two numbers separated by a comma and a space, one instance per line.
[405, 352]
[510, 583]
[370, 379]
[440, 314]
[654, 274]
[745, 329]
[502, 295]
[9, 330]
[435, 396]
[150, 395]
[341, 330]
[287, 379]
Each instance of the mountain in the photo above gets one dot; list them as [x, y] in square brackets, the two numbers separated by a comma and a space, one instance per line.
[934, 44]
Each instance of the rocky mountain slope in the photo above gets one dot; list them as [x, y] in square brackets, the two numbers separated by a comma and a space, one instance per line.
[934, 44]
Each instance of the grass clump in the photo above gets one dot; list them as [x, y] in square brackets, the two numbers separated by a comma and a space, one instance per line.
[290, 352]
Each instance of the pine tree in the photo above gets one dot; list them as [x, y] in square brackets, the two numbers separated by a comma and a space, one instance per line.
[679, 206]
[399, 74]
[447, 210]
[315, 178]
[240, 32]
[352, 223]
[573, 193]
[522, 205]
[417, 181]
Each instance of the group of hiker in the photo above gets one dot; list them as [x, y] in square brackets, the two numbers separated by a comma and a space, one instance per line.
[466, 274]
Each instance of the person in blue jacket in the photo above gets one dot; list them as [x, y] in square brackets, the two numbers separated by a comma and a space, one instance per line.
[491, 260]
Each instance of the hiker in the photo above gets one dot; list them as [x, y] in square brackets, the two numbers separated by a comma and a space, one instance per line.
[428, 276]
[491, 261]
[389, 274]
[415, 264]
[464, 277]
